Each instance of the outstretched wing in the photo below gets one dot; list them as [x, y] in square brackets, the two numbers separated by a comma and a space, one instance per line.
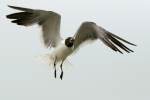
[91, 31]
[48, 20]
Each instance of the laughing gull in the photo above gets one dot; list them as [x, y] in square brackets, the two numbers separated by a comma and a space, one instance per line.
[50, 23]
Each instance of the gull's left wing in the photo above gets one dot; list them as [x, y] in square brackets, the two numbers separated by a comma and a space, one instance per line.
[91, 31]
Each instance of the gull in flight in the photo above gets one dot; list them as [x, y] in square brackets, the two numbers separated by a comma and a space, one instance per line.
[50, 23]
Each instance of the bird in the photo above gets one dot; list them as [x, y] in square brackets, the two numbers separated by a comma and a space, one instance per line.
[50, 22]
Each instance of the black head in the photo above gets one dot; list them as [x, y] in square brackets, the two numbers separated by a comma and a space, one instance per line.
[69, 42]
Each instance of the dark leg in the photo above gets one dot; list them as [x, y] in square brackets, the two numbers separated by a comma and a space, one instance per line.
[55, 74]
[61, 75]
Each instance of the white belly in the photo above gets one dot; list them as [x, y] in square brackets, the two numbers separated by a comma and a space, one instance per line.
[61, 52]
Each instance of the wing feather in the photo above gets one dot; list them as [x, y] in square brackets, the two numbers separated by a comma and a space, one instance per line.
[91, 31]
[48, 20]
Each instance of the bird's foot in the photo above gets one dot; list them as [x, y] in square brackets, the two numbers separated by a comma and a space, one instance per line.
[61, 75]
[55, 74]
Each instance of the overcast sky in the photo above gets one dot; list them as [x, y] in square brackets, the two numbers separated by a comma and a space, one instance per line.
[95, 72]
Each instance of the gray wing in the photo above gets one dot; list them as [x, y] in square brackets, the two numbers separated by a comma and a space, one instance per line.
[91, 31]
[48, 20]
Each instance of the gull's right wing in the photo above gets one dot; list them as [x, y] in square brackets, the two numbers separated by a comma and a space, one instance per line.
[48, 20]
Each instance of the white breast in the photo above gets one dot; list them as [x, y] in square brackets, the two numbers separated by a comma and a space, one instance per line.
[61, 52]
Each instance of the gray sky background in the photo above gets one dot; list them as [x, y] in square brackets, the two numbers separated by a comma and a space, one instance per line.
[96, 73]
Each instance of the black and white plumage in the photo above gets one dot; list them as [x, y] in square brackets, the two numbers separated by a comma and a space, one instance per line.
[50, 23]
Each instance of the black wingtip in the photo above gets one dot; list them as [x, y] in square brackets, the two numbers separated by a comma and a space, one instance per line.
[20, 8]
[7, 16]
[8, 5]
[120, 52]
[113, 35]
[131, 44]
[14, 7]
[134, 44]
[11, 6]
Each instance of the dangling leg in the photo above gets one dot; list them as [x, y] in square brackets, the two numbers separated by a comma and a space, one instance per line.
[55, 73]
[61, 75]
